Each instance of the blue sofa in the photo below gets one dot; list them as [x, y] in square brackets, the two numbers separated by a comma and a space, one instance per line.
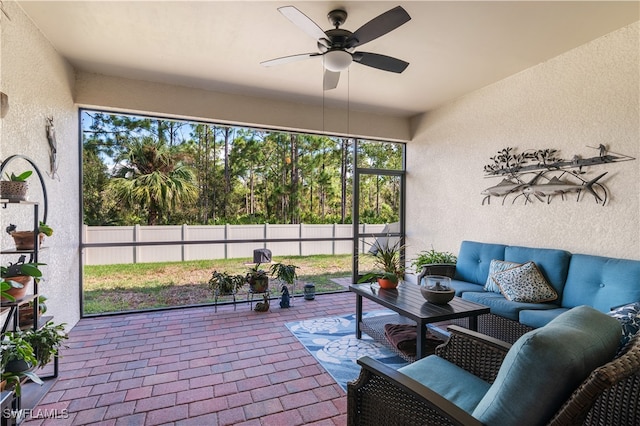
[578, 279]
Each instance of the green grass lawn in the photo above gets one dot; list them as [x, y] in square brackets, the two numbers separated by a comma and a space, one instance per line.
[115, 288]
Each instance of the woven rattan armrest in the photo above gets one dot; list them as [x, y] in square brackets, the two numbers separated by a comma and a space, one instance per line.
[477, 353]
[383, 396]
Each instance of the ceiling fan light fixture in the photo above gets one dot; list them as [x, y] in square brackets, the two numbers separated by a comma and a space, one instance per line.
[337, 60]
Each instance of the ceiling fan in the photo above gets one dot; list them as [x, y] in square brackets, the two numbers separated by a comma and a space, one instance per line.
[337, 46]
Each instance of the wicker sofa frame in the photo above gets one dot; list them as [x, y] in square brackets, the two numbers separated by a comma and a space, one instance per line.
[383, 396]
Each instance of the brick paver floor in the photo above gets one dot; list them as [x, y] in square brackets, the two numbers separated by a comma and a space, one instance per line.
[194, 366]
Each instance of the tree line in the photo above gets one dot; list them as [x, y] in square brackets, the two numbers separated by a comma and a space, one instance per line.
[145, 170]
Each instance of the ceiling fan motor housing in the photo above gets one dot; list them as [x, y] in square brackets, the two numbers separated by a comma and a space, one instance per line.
[337, 17]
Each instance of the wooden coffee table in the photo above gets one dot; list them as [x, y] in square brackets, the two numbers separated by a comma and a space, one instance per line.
[407, 301]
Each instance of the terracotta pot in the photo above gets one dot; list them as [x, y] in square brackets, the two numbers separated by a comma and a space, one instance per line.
[387, 284]
[13, 191]
[24, 239]
[19, 293]
[259, 285]
[25, 314]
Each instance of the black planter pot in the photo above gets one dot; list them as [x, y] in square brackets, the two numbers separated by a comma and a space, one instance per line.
[18, 366]
[444, 269]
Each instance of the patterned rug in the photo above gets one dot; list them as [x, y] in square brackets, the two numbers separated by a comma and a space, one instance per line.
[333, 343]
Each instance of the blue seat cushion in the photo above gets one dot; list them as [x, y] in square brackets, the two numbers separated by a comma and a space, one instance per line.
[463, 287]
[448, 380]
[553, 263]
[499, 305]
[474, 259]
[601, 282]
[539, 317]
[546, 365]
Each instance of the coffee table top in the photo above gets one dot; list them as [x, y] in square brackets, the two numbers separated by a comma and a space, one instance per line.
[408, 301]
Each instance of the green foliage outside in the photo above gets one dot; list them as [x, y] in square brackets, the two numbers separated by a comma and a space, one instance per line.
[114, 288]
[141, 170]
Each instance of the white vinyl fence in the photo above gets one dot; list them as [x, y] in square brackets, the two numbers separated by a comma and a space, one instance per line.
[123, 235]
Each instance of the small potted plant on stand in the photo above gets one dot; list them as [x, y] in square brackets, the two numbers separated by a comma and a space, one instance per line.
[21, 273]
[14, 188]
[224, 284]
[24, 240]
[387, 257]
[24, 351]
[286, 274]
[432, 262]
[17, 360]
[258, 279]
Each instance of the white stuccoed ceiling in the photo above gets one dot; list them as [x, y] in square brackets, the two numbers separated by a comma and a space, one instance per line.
[453, 47]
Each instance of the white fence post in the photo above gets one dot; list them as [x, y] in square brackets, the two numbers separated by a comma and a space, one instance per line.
[184, 236]
[136, 237]
[226, 237]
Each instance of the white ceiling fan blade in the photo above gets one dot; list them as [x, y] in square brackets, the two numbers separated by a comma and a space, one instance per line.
[302, 21]
[330, 80]
[288, 59]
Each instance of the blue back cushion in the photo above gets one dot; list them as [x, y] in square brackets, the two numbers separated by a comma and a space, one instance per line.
[554, 264]
[474, 259]
[546, 365]
[601, 282]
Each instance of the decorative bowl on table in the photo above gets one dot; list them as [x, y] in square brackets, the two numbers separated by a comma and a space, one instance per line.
[437, 289]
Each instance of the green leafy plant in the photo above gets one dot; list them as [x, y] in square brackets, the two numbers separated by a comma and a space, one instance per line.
[17, 358]
[285, 273]
[45, 229]
[21, 268]
[429, 257]
[257, 278]
[7, 285]
[22, 177]
[224, 283]
[46, 341]
[387, 258]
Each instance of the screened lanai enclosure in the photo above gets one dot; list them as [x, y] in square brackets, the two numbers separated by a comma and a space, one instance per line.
[168, 202]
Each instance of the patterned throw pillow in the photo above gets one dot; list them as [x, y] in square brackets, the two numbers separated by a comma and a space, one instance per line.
[629, 317]
[494, 267]
[525, 283]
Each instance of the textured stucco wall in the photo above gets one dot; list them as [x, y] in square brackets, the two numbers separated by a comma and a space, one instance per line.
[587, 96]
[39, 84]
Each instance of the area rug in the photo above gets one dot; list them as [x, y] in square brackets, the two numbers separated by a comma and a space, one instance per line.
[332, 342]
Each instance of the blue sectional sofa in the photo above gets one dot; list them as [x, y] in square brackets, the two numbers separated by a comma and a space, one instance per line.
[577, 279]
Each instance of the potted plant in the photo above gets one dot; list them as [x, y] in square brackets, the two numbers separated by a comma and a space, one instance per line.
[258, 279]
[14, 188]
[21, 273]
[432, 262]
[285, 273]
[387, 258]
[24, 351]
[224, 284]
[17, 360]
[25, 312]
[5, 286]
[46, 341]
[24, 240]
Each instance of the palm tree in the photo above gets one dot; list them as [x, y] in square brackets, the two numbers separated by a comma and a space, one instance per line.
[153, 177]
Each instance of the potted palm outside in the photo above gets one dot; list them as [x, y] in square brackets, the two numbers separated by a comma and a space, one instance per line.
[258, 279]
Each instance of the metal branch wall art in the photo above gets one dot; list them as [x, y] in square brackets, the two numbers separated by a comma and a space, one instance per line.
[53, 148]
[542, 175]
